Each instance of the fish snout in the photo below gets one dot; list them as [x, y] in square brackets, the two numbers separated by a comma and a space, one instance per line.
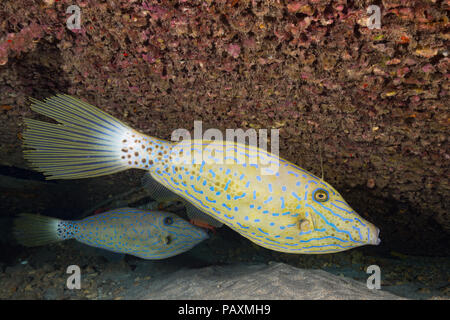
[374, 239]
[207, 234]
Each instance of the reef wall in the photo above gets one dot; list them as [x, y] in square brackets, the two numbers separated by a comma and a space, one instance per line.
[375, 101]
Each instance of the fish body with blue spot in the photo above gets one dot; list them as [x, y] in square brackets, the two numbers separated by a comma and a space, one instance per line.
[149, 235]
[267, 199]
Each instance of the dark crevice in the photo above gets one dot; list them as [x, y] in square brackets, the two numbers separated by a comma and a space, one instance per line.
[20, 173]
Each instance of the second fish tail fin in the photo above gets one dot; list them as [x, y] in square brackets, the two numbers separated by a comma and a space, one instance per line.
[86, 143]
[33, 230]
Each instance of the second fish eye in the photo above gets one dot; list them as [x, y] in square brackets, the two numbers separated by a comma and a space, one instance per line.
[321, 195]
[168, 221]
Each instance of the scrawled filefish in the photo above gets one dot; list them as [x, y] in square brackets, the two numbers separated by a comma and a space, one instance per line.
[265, 198]
[149, 235]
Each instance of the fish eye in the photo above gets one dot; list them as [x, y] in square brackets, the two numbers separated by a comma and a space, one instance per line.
[168, 221]
[321, 195]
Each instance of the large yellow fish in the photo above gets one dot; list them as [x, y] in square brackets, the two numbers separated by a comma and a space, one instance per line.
[265, 198]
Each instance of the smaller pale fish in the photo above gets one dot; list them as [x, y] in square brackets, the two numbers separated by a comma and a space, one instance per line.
[149, 235]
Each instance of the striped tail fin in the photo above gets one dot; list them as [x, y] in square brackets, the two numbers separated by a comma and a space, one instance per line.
[86, 143]
[33, 230]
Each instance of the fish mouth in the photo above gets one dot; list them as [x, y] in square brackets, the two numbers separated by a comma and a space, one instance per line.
[375, 240]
